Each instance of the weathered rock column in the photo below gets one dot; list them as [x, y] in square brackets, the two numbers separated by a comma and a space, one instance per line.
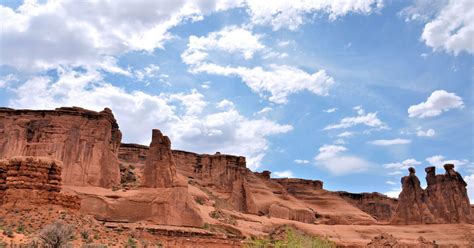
[160, 168]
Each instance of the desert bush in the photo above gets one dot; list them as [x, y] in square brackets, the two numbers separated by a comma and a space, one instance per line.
[293, 239]
[131, 243]
[8, 232]
[56, 235]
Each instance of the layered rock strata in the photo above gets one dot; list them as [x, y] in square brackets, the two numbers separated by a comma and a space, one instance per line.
[445, 199]
[163, 197]
[377, 205]
[86, 142]
[33, 180]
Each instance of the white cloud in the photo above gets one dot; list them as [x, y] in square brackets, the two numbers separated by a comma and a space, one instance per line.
[438, 102]
[332, 159]
[206, 85]
[452, 29]
[273, 82]
[137, 113]
[402, 165]
[360, 110]
[230, 39]
[428, 133]
[45, 35]
[384, 142]
[225, 104]
[395, 173]
[394, 193]
[301, 161]
[283, 174]
[264, 110]
[292, 13]
[391, 182]
[283, 43]
[439, 161]
[340, 142]
[148, 72]
[345, 134]
[370, 119]
[5, 81]
[331, 110]
[193, 103]
[470, 187]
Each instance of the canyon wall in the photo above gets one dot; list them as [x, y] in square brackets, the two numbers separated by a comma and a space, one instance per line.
[85, 141]
[162, 197]
[445, 199]
[379, 206]
[26, 181]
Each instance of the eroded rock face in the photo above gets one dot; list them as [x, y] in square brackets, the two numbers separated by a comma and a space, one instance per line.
[223, 173]
[297, 184]
[445, 199]
[33, 180]
[160, 168]
[85, 141]
[377, 205]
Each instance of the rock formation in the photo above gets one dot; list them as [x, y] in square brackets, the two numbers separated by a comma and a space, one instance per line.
[445, 199]
[377, 205]
[160, 168]
[163, 197]
[85, 141]
[296, 184]
[32, 180]
[133, 153]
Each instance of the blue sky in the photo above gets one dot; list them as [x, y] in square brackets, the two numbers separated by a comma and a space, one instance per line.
[348, 92]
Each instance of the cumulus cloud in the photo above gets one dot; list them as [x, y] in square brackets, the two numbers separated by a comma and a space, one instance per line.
[265, 110]
[470, 187]
[438, 102]
[394, 193]
[6, 80]
[149, 71]
[90, 33]
[273, 82]
[179, 115]
[284, 174]
[301, 161]
[428, 133]
[390, 142]
[402, 165]
[333, 159]
[291, 14]
[452, 29]
[225, 104]
[439, 161]
[369, 119]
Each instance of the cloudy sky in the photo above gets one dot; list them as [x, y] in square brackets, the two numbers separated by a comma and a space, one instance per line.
[350, 92]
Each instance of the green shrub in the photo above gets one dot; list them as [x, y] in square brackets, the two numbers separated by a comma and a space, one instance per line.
[292, 239]
[132, 243]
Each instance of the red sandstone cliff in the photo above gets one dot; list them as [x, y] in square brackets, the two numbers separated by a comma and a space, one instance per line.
[28, 181]
[86, 142]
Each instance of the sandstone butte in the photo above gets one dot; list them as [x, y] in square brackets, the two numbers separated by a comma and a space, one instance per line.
[70, 164]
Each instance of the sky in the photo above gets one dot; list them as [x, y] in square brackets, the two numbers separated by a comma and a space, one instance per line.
[348, 92]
